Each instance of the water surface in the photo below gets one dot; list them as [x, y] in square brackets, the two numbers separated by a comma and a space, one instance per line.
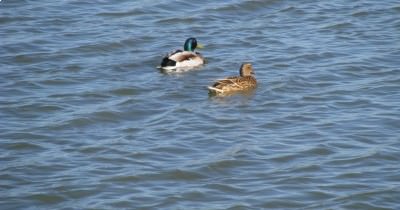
[88, 122]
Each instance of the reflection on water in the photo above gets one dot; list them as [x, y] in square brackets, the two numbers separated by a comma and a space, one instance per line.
[242, 97]
[179, 70]
[88, 121]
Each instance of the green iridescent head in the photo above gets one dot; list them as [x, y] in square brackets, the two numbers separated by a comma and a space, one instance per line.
[191, 44]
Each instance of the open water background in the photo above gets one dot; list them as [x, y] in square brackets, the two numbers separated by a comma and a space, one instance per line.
[88, 122]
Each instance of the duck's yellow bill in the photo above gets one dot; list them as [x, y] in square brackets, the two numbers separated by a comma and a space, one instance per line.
[200, 46]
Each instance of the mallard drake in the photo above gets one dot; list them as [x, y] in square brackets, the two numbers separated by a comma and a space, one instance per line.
[187, 58]
[246, 81]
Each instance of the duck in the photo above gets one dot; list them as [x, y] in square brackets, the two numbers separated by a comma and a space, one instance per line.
[229, 85]
[186, 58]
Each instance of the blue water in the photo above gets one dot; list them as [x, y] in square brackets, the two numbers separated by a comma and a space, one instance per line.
[89, 122]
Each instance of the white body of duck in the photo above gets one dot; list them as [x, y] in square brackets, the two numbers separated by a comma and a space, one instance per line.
[186, 59]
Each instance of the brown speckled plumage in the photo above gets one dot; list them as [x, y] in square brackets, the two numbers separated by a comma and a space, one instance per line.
[229, 85]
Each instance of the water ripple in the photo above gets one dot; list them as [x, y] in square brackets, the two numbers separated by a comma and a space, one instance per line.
[87, 121]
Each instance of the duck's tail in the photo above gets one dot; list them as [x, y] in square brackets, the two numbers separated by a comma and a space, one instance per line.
[166, 62]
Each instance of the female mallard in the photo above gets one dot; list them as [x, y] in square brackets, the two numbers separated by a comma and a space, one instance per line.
[187, 58]
[229, 85]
